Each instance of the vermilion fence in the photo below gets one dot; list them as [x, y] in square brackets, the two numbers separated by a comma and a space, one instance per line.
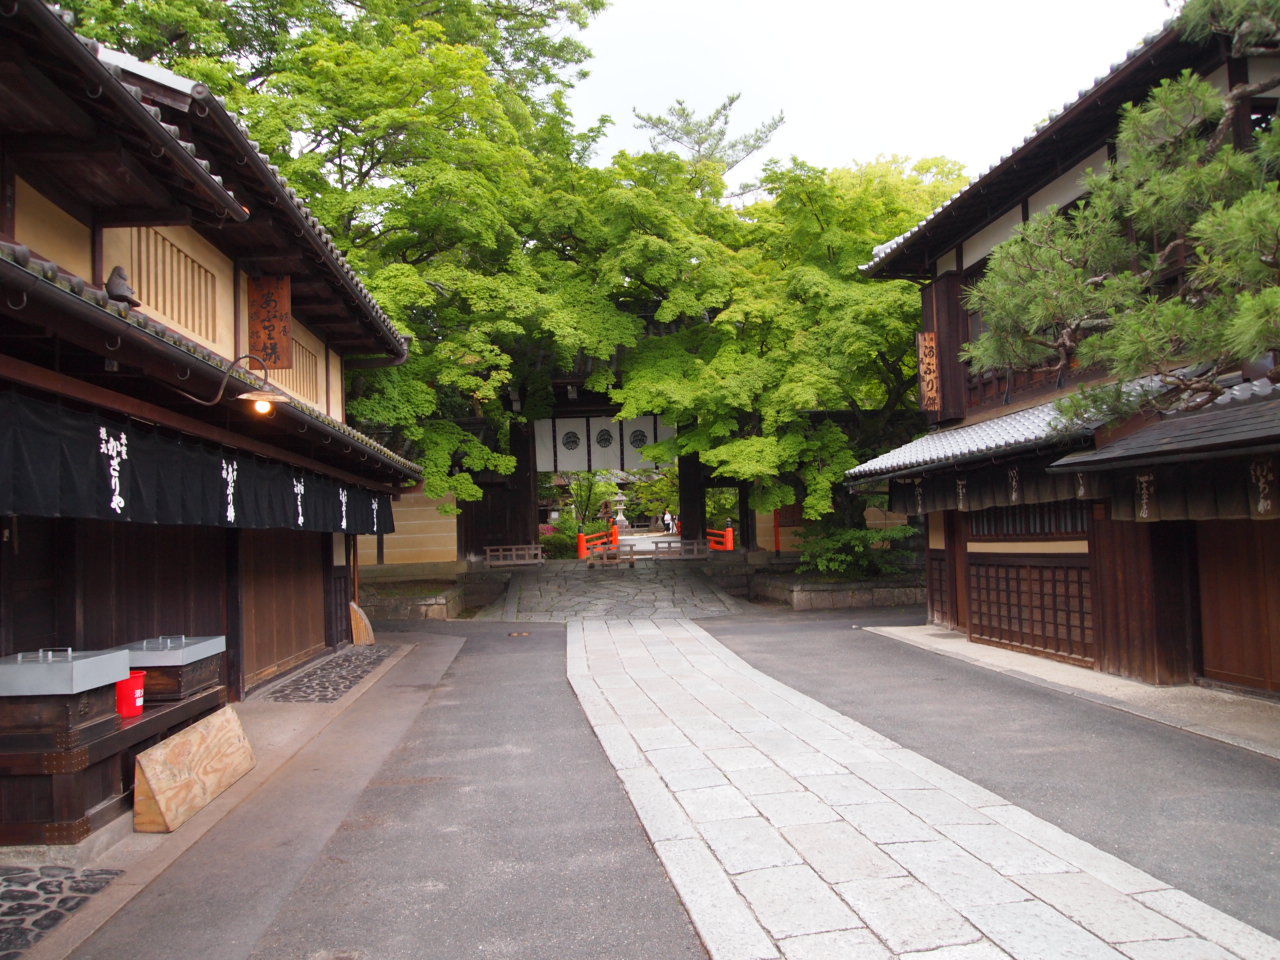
[597, 542]
[720, 539]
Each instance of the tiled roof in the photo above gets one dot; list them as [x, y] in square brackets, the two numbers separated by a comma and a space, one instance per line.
[1243, 421]
[1032, 428]
[43, 270]
[116, 70]
[1249, 391]
[885, 250]
[58, 30]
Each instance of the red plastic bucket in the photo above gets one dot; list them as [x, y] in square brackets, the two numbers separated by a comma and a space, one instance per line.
[129, 694]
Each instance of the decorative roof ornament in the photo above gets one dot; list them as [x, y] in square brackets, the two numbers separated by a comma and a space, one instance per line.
[118, 287]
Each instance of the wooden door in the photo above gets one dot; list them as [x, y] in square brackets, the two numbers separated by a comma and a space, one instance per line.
[957, 526]
[32, 587]
[1240, 601]
[282, 609]
[1144, 583]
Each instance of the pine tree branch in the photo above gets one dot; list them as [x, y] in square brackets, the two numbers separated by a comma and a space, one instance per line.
[1240, 94]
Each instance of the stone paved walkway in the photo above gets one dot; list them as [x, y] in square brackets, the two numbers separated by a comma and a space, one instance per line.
[791, 831]
[563, 592]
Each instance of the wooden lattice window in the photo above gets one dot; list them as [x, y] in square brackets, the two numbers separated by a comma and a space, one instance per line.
[1041, 604]
[941, 608]
[1033, 521]
[173, 286]
[303, 378]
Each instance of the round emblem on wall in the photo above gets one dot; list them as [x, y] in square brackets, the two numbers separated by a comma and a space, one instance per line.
[638, 439]
[604, 438]
[570, 440]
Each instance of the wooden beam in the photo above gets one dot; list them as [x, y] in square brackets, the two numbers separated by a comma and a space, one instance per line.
[143, 217]
[51, 381]
[20, 80]
[38, 147]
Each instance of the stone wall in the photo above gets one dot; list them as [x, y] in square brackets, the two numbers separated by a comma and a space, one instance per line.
[445, 605]
[805, 594]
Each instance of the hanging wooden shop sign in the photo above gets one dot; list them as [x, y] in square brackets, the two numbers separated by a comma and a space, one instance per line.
[930, 387]
[271, 321]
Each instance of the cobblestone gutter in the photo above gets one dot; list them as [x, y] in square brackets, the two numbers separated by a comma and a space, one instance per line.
[35, 900]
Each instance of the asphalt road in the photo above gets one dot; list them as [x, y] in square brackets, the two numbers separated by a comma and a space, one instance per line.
[456, 810]
[1199, 814]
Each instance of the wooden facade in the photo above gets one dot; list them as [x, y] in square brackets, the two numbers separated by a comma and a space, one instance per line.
[282, 603]
[140, 496]
[1239, 569]
[1155, 561]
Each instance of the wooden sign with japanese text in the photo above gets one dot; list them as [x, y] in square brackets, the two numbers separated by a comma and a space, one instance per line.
[271, 321]
[930, 387]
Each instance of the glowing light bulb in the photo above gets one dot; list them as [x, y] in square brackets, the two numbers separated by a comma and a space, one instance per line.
[262, 406]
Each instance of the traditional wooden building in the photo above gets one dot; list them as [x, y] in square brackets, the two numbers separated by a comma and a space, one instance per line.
[154, 270]
[1140, 551]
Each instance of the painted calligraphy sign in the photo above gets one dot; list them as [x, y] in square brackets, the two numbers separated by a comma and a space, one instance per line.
[930, 387]
[1146, 492]
[271, 321]
[116, 451]
[1263, 500]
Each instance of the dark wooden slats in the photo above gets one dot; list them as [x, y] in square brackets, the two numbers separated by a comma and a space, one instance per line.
[1044, 604]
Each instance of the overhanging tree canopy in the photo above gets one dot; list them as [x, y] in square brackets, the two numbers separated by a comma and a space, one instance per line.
[433, 141]
[1170, 265]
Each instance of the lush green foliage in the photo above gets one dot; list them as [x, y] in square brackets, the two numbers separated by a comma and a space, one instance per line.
[705, 141]
[751, 339]
[655, 493]
[851, 553]
[433, 141]
[1171, 265]
[584, 493]
[559, 545]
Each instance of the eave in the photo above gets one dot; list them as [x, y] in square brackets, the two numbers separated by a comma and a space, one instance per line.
[70, 321]
[1078, 130]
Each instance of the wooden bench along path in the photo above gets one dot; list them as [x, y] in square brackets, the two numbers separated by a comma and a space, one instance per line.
[609, 554]
[514, 555]
[680, 550]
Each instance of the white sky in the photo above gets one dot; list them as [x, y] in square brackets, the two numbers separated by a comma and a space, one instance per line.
[966, 79]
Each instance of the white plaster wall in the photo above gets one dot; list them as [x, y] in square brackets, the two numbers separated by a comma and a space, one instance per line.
[1068, 186]
[985, 240]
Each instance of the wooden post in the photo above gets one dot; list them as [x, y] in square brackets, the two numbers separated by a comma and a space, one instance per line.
[693, 499]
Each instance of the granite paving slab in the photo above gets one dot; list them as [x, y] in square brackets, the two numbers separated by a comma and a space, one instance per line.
[819, 838]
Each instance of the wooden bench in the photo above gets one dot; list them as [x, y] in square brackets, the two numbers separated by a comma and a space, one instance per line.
[680, 550]
[609, 555]
[514, 555]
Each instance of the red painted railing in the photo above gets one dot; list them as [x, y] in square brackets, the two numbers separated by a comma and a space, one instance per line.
[597, 542]
[720, 539]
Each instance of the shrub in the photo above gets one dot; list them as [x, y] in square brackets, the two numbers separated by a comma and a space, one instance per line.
[563, 544]
[559, 546]
[853, 553]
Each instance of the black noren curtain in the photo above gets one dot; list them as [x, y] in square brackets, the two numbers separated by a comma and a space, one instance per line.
[57, 462]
